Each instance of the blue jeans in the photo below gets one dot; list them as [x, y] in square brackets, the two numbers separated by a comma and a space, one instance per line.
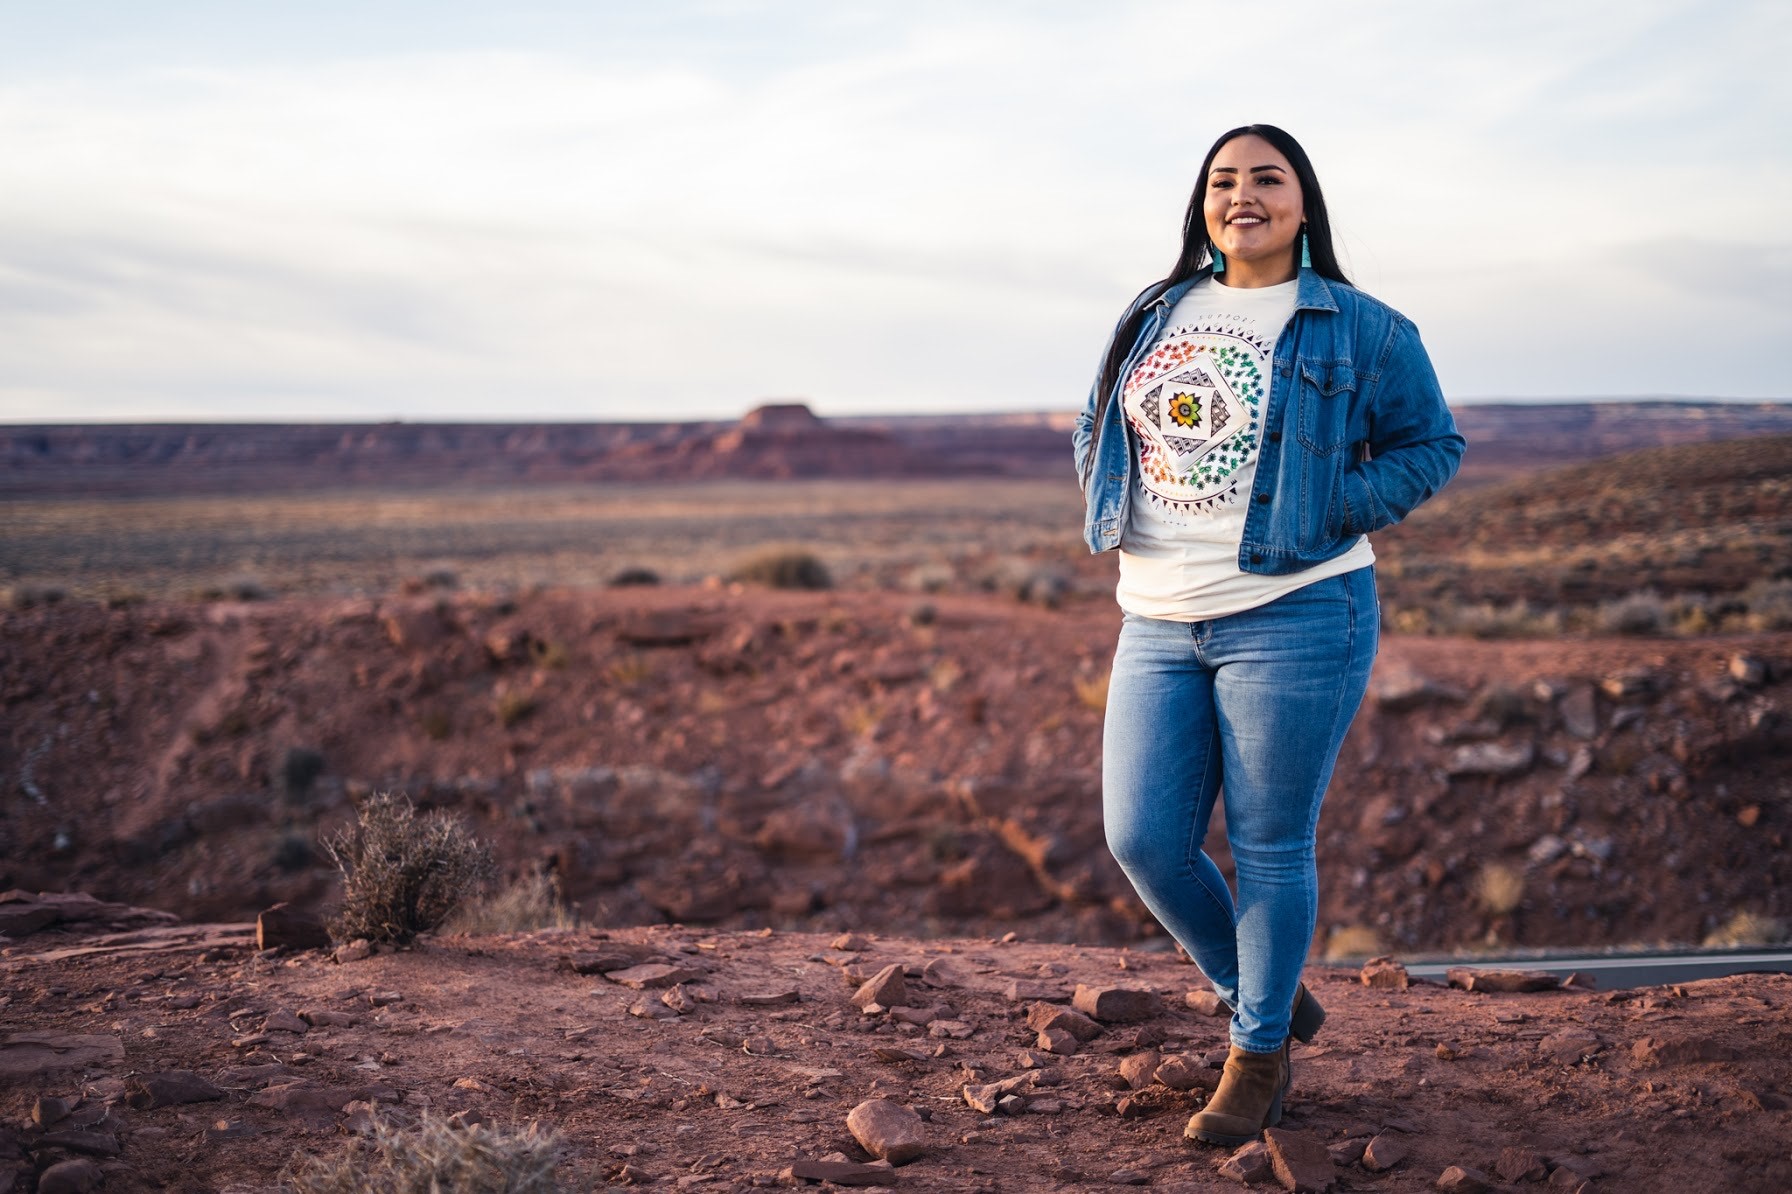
[1256, 705]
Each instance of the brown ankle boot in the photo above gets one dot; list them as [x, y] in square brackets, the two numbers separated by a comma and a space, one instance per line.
[1248, 1100]
[1305, 1017]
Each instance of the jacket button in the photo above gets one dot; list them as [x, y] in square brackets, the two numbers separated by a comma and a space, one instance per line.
[1263, 499]
[1256, 557]
[1275, 437]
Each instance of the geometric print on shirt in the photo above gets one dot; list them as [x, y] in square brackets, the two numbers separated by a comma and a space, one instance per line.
[1196, 404]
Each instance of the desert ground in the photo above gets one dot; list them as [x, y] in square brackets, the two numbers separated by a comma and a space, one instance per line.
[1575, 738]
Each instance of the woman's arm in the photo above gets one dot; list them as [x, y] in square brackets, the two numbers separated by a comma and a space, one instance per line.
[1414, 447]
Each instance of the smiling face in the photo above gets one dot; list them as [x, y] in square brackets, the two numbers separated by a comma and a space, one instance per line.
[1254, 208]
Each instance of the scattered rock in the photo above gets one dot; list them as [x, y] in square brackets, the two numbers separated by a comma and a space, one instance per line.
[147, 1091]
[1206, 1003]
[1748, 671]
[284, 1021]
[1138, 1069]
[886, 988]
[1383, 1152]
[653, 975]
[1057, 1041]
[324, 1018]
[1571, 1045]
[1501, 981]
[770, 998]
[1460, 1179]
[1384, 974]
[1300, 1160]
[988, 1096]
[648, 1008]
[1045, 1017]
[840, 1173]
[1184, 1073]
[851, 942]
[1652, 1052]
[1021, 990]
[92, 1143]
[48, 1110]
[1498, 759]
[1580, 712]
[1250, 1165]
[1116, 1005]
[301, 1099]
[888, 1130]
[1347, 1152]
[1518, 1164]
[1130, 1177]
[284, 926]
[70, 1177]
[26, 1054]
[358, 950]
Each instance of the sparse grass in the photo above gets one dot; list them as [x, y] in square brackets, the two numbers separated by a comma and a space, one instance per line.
[861, 718]
[1093, 690]
[1769, 605]
[435, 724]
[1499, 888]
[30, 596]
[403, 874]
[628, 670]
[1748, 928]
[532, 902]
[547, 654]
[1351, 941]
[434, 1157]
[944, 674]
[512, 706]
[784, 569]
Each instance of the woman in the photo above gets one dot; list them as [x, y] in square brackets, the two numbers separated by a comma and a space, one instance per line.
[1254, 417]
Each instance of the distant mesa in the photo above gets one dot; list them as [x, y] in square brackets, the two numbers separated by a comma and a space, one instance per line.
[781, 416]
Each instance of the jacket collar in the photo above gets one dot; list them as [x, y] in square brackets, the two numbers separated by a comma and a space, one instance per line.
[1313, 294]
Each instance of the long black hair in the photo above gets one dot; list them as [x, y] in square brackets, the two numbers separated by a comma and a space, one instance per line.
[1197, 251]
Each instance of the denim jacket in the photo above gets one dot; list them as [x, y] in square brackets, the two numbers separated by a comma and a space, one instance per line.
[1355, 432]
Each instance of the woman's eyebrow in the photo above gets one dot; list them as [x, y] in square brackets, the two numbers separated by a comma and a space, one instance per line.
[1254, 169]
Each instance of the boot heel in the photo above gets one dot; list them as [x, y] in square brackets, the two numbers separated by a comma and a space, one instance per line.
[1307, 1016]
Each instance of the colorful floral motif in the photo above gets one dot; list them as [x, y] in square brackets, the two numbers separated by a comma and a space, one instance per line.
[1196, 405]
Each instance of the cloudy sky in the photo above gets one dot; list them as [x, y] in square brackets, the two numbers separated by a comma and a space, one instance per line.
[374, 209]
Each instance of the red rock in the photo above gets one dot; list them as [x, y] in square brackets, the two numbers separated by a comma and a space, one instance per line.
[1347, 1152]
[1460, 1179]
[851, 942]
[324, 1018]
[48, 1110]
[1571, 1045]
[1384, 974]
[1206, 1003]
[888, 1130]
[93, 1143]
[1250, 1165]
[1383, 1152]
[146, 1091]
[653, 975]
[1651, 1052]
[770, 998]
[1502, 981]
[1022, 990]
[25, 1054]
[1137, 1070]
[1300, 1160]
[1518, 1164]
[282, 1020]
[302, 1099]
[886, 988]
[1184, 1073]
[284, 926]
[1116, 1005]
[840, 1173]
[1044, 1017]
[78, 1176]
[1057, 1041]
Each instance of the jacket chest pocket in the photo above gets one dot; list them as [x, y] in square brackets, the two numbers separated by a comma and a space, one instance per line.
[1325, 395]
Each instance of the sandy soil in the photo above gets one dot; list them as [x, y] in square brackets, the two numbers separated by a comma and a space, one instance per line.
[1682, 1089]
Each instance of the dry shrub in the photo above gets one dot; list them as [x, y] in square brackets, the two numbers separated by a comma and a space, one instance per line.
[1499, 888]
[546, 654]
[1093, 690]
[628, 670]
[1641, 613]
[1769, 605]
[434, 1157]
[784, 570]
[1520, 619]
[403, 874]
[1747, 928]
[532, 902]
[634, 578]
[1351, 941]
[30, 596]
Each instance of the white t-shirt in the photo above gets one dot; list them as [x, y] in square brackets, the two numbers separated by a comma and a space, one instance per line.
[1196, 405]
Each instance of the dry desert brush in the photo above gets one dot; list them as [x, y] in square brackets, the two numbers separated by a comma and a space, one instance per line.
[436, 1156]
[402, 873]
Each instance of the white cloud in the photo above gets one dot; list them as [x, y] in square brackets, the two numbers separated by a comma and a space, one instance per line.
[935, 210]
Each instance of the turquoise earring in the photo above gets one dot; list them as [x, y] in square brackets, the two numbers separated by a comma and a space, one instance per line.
[1219, 262]
[1306, 259]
